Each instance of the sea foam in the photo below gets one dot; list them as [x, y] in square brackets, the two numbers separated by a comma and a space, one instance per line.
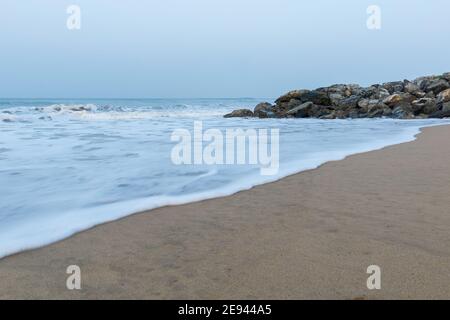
[68, 166]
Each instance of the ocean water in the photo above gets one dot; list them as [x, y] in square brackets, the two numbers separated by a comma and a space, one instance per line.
[67, 165]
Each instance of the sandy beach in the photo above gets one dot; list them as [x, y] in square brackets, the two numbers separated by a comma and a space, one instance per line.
[308, 236]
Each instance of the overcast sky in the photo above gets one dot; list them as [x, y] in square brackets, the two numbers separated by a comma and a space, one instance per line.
[214, 48]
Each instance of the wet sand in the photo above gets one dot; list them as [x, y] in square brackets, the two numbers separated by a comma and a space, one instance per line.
[308, 236]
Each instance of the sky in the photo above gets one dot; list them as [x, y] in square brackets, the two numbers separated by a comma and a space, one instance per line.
[214, 48]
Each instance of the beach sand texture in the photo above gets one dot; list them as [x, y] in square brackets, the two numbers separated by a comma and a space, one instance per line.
[309, 236]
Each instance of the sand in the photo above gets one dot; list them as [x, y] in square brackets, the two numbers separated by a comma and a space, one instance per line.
[308, 236]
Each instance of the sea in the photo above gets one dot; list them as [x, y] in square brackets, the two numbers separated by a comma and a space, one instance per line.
[67, 165]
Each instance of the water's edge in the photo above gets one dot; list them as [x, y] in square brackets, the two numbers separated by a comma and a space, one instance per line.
[114, 212]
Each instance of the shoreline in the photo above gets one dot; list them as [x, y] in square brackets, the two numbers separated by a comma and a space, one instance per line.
[180, 232]
[116, 211]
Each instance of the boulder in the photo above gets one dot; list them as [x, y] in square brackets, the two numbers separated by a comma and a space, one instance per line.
[446, 76]
[402, 112]
[301, 111]
[378, 110]
[393, 100]
[446, 107]
[320, 111]
[316, 97]
[380, 94]
[240, 113]
[443, 97]
[392, 87]
[263, 110]
[437, 86]
[413, 89]
[399, 98]
[424, 105]
[440, 114]
[330, 116]
[349, 102]
[295, 94]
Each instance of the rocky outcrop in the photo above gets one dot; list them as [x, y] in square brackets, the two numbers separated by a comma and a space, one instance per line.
[240, 113]
[424, 97]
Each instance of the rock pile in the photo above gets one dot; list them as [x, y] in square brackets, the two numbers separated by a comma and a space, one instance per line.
[424, 97]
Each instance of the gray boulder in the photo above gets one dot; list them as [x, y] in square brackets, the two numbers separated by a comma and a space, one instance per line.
[392, 87]
[402, 112]
[263, 110]
[446, 107]
[241, 113]
[413, 89]
[443, 97]
[398, 99]
[295, 94]
[301, 111]
[424, 105]
[437, 86]
[440, 114]
[446, 76]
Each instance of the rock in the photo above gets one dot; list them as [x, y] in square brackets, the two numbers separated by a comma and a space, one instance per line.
[446, 107]
[263, 110]
[402, 112]
[405, 99]
[446, 76]
[399, 98]
[366, 104]
[342, 114]
[378, 110]
[294, 103]
[424, 105]
[437, 86]
[301, 111]
[320, 111]
[393, 100]
[336, 98]
[430, 94]
[380, 94]
[387, 112]
[413, 89]
[316, 97]
[295, 94]
[354, 114]
[350, 102]
[330, 116]
[240, 113]
[443, 97]
[392, 87]
[440, 114]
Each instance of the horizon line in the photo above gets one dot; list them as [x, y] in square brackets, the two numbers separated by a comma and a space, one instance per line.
[128, 98]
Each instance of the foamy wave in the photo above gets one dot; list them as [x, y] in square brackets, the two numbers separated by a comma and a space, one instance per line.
[92, 112]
